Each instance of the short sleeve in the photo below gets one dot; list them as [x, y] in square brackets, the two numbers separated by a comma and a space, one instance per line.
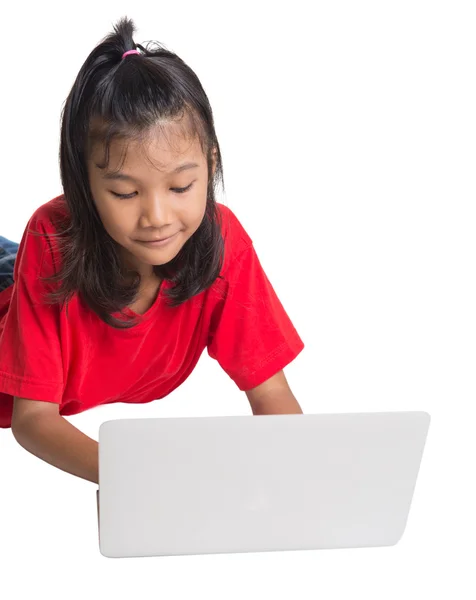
[251, 335]
[30, 349]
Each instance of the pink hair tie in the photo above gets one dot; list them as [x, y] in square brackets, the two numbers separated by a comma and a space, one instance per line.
[130, 52]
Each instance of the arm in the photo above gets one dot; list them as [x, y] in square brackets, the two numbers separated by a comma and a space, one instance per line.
[273, 397]
[40, 429]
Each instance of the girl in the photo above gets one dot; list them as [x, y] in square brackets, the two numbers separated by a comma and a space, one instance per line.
[121, 282]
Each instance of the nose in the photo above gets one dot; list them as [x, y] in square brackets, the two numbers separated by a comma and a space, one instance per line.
[156, 212]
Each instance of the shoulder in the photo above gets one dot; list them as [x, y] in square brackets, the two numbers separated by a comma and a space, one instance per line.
[37, 252]
[47, 217]
[235, 237]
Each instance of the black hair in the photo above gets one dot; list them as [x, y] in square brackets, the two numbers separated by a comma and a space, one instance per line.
[113, 98]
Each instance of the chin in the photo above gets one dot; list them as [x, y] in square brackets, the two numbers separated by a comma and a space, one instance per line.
[158, 256]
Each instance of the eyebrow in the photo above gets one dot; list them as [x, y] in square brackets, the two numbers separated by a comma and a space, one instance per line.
[123, 177]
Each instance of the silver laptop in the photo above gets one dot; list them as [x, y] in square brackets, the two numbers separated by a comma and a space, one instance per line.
[207, 485]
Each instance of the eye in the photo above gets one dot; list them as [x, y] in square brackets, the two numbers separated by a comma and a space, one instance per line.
[182, 190]
[128, 196]
[123, 196]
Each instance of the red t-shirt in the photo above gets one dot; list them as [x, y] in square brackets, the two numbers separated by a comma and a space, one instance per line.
[80, 362]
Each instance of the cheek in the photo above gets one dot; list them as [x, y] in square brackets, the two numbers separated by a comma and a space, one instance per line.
[114, 220]
[199, 207]
[193, 218]
[119, 226]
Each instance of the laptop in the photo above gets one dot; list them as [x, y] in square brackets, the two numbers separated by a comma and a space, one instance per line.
[257, 483]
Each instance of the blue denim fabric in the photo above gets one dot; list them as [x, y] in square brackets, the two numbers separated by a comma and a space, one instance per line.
[8, 254]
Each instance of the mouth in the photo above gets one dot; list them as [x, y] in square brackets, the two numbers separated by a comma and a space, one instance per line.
[158, 243]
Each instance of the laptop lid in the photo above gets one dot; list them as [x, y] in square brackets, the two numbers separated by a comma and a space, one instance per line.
[171, 486]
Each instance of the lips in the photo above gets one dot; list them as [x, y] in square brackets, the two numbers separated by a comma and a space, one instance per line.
[157, 240]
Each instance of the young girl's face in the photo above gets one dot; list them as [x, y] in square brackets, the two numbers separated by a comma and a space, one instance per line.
[160, 191]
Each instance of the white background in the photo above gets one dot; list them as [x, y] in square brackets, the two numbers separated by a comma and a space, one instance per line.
[348, 139]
